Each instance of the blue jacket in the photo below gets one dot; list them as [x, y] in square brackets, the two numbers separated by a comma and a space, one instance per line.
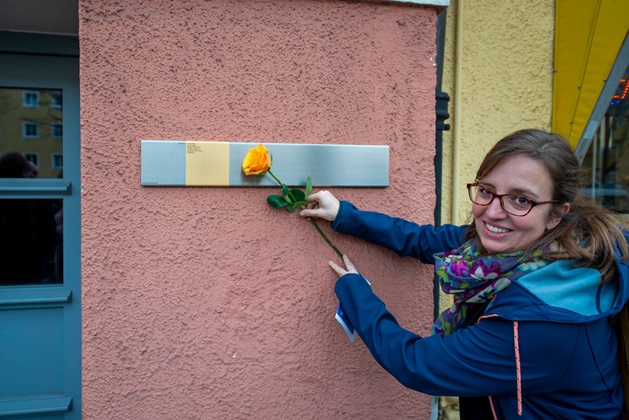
[544, 349]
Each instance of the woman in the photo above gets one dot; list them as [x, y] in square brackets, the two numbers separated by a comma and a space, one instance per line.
[535, 278]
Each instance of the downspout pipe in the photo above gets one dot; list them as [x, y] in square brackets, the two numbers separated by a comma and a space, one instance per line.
[456, 135]
[441, 111]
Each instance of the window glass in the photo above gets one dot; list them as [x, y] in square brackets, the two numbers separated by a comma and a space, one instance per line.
[57, 161]
[31, 127]
[607, 159]
[31, 250]
[31, 123]
[56, 130]
[57, 99]
[30, 130]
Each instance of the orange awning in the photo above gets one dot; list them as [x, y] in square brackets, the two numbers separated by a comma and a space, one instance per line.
[588, 36]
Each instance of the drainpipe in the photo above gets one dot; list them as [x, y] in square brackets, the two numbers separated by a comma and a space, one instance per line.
[441, 110]
[456, 135]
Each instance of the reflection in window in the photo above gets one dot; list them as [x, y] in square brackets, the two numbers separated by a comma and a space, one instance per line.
[30, 99]
[29, 114]
[608, 156]
[56, 130]
[31, 230]
[33, 158]
[57, 100]
[30, 130]
[57, 161]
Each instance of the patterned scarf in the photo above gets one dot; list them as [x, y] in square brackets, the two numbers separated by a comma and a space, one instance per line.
[474, 279]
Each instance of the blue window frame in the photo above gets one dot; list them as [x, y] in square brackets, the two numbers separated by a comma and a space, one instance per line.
[41, 312]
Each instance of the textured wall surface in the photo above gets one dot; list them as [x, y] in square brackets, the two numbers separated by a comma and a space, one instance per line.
[203, 303]
[506, 65]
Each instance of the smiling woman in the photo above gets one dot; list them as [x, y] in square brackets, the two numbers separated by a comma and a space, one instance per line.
[544, 166]
[515, 220]
[532, 232]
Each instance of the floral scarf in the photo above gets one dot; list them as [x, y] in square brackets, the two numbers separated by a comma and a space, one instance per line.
[474, 279]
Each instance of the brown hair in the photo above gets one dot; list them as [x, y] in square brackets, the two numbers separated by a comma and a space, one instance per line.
[13, 165]
[588, 233]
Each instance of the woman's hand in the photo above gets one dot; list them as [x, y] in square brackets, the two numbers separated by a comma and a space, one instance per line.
[350, 268]
[322, 205]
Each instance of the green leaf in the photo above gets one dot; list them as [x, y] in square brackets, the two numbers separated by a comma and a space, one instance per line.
[294, 206]
[298, 195]
[308, 187]
[277, 201]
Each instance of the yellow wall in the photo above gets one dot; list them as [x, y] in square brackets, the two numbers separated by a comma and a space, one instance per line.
[503, 82]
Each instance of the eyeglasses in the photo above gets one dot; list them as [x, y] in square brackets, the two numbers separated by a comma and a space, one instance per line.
[515, 205]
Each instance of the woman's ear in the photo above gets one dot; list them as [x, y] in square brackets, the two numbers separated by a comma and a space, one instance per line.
[556, 215]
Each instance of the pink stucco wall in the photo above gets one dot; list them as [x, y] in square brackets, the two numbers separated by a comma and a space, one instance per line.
[205, 303]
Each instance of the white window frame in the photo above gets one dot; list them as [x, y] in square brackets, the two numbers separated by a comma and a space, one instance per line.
[26, 124]
[26, 103]
[32, 157]
[53, 130]
[57, 100]
[53, 163]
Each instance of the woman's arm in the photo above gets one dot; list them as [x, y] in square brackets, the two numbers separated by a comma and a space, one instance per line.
[477, 361]
[404, 237]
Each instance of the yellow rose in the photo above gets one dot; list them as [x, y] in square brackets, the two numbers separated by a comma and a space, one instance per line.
[257, 161]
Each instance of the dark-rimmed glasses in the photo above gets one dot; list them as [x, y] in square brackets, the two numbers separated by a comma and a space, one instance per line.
[515, 205]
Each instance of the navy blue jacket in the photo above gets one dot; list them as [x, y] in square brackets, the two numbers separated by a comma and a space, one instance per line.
[544, 349]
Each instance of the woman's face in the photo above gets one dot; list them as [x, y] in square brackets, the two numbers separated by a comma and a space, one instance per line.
[501, 232]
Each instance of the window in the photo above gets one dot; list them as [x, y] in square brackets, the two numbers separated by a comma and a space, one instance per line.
[57, 100]
[30, 99]
[33, 170]
[607, 159]
[31, 227]
[57, 161]
[30, 130]
[56, 131]
[34, 130]
[33, 158]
